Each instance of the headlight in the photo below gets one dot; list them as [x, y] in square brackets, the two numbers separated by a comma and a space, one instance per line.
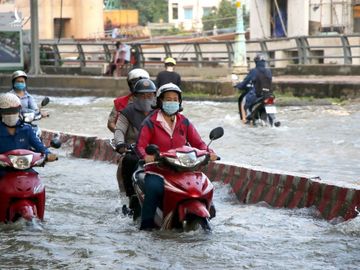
[3, 164]
[21, 162]
[187, 160]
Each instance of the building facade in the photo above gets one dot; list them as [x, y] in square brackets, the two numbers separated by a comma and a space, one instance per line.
[288, 18]
[187, 14]
[78, 19]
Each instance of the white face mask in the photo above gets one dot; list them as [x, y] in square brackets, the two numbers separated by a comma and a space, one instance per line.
[10, 120]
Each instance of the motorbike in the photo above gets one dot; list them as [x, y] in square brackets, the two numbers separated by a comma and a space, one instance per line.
[31, 117]
[262, 111]
[188, 192]
[22, 193]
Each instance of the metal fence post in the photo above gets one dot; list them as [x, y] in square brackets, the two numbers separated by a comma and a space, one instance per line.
[81, 55]
[346, 49]
[230, 52]
[198, 54]
[57, 56]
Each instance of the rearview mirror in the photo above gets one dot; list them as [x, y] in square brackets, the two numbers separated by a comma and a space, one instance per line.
[55, 142]
[45, 101]
[216, 133]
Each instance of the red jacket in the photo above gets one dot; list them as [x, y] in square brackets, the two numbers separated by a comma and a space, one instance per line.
[121, 102]
[152, 132]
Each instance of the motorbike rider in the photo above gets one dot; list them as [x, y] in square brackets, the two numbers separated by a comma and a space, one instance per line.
[14, 134]
[260, 79]
[168, 75]
[167, 128]
[127, 130]
[122, 101]
[19, 88]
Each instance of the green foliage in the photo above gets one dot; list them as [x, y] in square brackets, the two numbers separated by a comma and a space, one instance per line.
[224, 16]
[149, 10]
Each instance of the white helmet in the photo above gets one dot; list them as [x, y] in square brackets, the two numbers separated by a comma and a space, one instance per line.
[17, 74]
[168, 87]
[9, 103]
[135, 75]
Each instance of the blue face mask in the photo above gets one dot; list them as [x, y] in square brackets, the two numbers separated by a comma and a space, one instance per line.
[19, 86]
[170, 107]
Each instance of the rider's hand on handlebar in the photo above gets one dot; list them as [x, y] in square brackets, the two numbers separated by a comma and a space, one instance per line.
[213, 156]
[44, 114]
[51, 157]
[149, 158]
[121, 148]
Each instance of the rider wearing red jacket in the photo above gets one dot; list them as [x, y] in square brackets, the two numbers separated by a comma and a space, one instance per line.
[121, 102]
[168, 129]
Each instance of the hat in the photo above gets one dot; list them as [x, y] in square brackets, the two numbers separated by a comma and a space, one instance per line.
[170, 60]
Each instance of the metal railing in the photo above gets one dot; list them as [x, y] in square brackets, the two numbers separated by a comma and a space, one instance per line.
[324, 49]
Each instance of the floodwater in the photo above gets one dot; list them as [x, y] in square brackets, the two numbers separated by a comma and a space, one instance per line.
[84, 227]
[319, 141]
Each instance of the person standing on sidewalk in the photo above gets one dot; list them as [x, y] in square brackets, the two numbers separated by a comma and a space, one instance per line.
[168, 75]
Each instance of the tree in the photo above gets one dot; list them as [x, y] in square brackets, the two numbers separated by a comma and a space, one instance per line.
[149, 10]
[223, 17]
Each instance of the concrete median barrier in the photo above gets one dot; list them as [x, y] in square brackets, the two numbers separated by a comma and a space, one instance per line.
[251, 185]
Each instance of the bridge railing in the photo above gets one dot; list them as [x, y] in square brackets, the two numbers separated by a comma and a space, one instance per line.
[324, 49]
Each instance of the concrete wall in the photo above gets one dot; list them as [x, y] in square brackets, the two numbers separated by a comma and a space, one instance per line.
[85, 16]
[278, 189]
[215, 89]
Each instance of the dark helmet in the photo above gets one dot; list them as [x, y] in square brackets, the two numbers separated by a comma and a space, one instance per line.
[166, 88]
[259, 57]
[144, 86]
[17, 74]
[135, 75]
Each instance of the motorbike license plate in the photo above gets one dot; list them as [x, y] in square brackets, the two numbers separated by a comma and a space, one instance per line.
[270, 109]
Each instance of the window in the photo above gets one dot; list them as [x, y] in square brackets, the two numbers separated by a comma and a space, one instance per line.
[207, 11]
[188, 13]
[175, 11]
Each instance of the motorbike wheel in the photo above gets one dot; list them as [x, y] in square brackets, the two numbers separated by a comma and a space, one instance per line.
[192, 223]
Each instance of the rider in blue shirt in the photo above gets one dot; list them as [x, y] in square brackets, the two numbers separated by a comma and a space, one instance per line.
[250, 79]
[19, 88]
[14, 134]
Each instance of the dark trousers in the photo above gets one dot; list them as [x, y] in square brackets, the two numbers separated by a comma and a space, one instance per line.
[129, 165]
[154, 191]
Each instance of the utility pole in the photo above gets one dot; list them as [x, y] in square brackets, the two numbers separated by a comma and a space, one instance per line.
[35, 52]
[240, 63]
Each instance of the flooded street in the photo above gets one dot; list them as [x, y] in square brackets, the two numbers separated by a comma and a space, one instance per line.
[84, 227]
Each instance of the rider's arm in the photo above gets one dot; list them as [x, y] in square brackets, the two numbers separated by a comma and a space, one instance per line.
[31, 105]
[36, 143]
[122, 125]
[248, 79]
[112, 119]
[143, 140]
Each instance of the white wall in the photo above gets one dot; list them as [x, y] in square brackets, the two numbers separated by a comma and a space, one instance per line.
[260, 19]
[298, 18]
[197, 6]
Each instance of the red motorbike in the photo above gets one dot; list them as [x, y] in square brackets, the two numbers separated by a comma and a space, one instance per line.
[22, 193]
[188, 192]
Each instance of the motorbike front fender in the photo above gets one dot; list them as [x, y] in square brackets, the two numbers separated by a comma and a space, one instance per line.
[193, 207]
[22, 208]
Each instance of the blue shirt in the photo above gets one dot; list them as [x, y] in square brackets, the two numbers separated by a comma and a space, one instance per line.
[250, 78]
[28, 103]
[24, 138]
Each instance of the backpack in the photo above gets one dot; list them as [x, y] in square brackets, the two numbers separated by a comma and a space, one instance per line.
[262, 83]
